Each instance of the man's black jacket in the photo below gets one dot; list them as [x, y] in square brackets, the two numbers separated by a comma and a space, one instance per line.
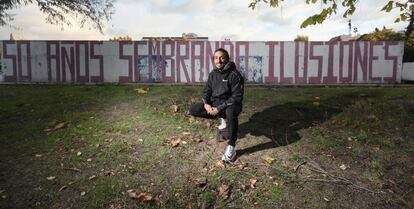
[224, 87]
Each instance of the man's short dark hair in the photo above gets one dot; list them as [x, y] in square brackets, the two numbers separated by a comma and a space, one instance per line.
[225, 52]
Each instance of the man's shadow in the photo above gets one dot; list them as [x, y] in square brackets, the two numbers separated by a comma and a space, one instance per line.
[281, 123]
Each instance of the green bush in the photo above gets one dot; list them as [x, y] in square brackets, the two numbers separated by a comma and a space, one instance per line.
[387, 34]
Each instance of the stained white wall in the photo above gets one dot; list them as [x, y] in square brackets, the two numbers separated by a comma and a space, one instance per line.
[270, 62]
[408, 71]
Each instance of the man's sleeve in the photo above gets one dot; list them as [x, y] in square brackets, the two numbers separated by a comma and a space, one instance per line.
[237, 91]
[207, 92]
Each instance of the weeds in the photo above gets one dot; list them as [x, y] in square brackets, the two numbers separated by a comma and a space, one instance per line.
[121, 137]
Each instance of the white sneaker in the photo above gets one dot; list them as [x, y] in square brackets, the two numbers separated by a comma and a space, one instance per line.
[223, 124]
[229, 154]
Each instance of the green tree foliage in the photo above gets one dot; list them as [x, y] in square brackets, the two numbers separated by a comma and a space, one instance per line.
[331, 7]
[121, 38]
[409, 49]
[301, 38]
[92, 12]
[387, 34]
[410, 26]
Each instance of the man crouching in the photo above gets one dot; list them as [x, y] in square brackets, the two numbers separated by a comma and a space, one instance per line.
[222, 98]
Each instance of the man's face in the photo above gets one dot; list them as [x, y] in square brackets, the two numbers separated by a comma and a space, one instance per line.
[220, 60]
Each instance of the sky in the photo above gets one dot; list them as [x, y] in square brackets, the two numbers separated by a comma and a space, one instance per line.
[215, 19]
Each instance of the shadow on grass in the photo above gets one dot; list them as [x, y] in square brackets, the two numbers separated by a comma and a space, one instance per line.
[281, 123]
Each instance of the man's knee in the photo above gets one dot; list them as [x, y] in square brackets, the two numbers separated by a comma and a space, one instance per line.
[196, 109]
[193, 109]
[232, 112]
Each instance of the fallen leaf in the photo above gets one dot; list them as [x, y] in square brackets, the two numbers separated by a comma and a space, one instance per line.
[186, 133]
[89, 159]
[109, 173]
[343, 167]
[326, 199]
[242, 166]
[59, 125]
[223, 191]
[92, 177]
[201, 181]
[220, 164]
[198, 140]
[144, 197]
[375, 148]
[132, 193]
[269, 160]
[174, 108]
[63, 188]
[141, 90]
[50, 178]
[252, 183]
[175, 142]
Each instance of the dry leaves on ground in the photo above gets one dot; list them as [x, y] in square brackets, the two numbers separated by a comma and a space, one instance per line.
[174, 108]
[142, 197]
[109, 173]
[220, 164]
[56, 127]
[174, 141]
[201, 181]
[375, 148]
[223, 191]
[183, 138]
[252, 183]
[268, 159]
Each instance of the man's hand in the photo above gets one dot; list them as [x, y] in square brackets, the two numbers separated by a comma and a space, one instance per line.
[211, 110]
[208, 108]
[214, 111]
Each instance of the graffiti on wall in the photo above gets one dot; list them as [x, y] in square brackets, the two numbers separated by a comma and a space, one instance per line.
[272, 62]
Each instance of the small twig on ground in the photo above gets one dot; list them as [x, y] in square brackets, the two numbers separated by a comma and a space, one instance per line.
[297, 167]
[72, 169]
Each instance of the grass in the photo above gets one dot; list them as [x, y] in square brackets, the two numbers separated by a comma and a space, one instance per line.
[115, 139]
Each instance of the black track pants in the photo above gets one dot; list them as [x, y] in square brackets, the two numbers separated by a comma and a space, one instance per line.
[231, 114]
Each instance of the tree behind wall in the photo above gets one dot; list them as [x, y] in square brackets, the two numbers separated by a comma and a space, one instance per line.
[387, 34]
[410, 26]
[301, 38]
[348, 7]
[85, 12]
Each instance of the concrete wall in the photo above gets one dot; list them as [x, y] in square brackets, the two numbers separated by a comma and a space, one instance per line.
[408, 71]
[273, 62]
